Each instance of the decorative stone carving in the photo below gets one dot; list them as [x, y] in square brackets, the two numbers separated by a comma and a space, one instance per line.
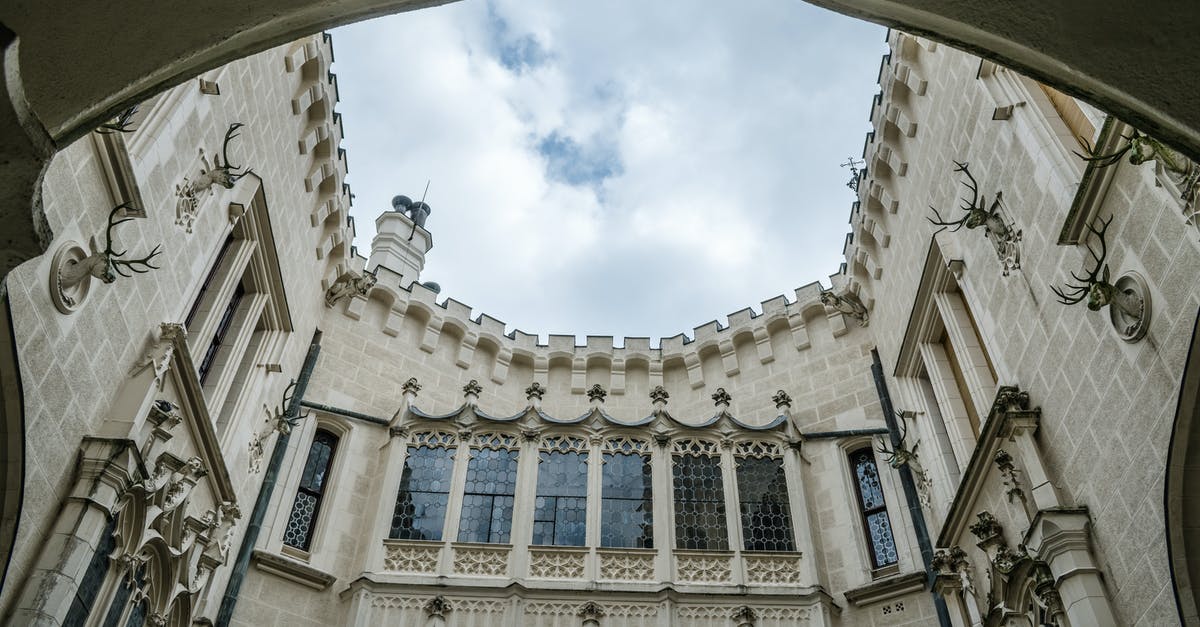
[410, 387]
[535, 391]
[472, 388]
[591, 613]
[1128, 298]
[597, 394]
[403, 558]
[703, 568]
[626, 567]
[1007, 559]
[781, 570]
[72, 269]
[782, 400]
[438, 607]
[744, 616]
[659, 395]
[996, 227]
[556, 564]
[846, 303]
[481, 562]
[1170, 167]
[189, 191]
[1010, 475]
[986, 528]
[349, 283]
[161, 352]
[721, 397]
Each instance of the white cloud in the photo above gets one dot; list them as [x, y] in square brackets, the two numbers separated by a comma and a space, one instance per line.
[619, 168]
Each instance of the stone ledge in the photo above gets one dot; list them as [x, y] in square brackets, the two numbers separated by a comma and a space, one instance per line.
[885, 589]
[292, 570]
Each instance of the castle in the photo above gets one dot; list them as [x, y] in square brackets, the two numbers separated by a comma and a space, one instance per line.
[238, 420]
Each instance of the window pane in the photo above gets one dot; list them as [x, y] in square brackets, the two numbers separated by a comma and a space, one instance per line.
[874, 511]
[766, 519]
[420, 510]
[699, 504]
[560, 510]
[488, 498]
[626, 508]
[298, 532]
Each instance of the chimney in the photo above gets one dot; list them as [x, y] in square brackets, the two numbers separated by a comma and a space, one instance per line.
[401, 240]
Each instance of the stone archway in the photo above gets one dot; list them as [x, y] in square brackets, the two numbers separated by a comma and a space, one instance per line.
[1182, 500]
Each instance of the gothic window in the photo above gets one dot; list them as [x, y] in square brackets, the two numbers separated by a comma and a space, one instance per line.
[300, 524]
[876, 524]
[420, 508]
[488, 496]
[93, 579]
[560, 509]
[626, 508]
[699, 498]
[210, 354]
[763, 503]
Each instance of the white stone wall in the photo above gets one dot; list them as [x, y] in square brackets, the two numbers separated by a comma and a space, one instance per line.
[72, 366]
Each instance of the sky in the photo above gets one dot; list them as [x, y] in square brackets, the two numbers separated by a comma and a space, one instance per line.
[623, 168]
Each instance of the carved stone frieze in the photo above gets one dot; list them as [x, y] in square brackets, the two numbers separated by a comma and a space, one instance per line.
[556, 564]
[779, 570]
[403, 558]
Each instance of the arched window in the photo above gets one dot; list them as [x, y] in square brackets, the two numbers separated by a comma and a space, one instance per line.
[763, 498]
[491, 483]
[876, 524]
[699, 497]
[560, 510]
[626, 507]
[420, 509]
[311, 492]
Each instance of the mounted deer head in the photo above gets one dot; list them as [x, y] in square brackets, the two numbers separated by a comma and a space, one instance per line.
[223, 172]
[976, 215]
[900, 455]
[1094, 285]
[119, 124]
[106, 264]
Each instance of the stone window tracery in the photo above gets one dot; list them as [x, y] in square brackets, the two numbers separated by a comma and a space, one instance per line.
[307, 505]
[876, 524]
[488, 496]
[699, 496]
[560, 507]
[420, 510]
[626, 504]
[763, 498]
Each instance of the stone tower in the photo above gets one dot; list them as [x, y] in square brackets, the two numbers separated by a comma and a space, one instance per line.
[401, 241]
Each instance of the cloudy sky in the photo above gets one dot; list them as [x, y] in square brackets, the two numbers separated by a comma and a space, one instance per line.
[622, 168]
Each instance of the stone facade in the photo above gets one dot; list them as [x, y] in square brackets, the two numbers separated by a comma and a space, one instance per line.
[1015, 445]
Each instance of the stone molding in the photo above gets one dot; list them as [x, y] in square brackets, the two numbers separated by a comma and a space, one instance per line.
[886, 589]
[292, 570]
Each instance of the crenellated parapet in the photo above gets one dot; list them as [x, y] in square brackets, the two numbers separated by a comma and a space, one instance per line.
[714, 352]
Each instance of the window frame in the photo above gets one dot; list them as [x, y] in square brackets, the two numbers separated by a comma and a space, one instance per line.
[702, 449]
[758, 450]
[863, 513]
[494, 441]
[429, 440]
[628, 447]
[320, 497]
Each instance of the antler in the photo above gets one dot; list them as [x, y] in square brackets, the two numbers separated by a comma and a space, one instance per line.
[894, 453]
[120, 124]
[228, 166]
[973, 185]
[1104, 161]
[138, 266]
[1073, 293]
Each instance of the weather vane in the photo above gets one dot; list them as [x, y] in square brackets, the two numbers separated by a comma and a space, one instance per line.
[855, 173]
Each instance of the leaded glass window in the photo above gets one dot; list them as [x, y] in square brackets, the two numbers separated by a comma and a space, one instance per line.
[763, 502]
[488, 496]
[420, 510]
[93, 579]
[312, 488]
[626, 507]
[874, 511]
[560, 509]
[699, 503]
